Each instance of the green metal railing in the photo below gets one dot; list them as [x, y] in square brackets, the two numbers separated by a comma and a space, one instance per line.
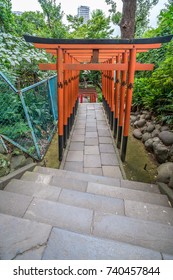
[28, 117]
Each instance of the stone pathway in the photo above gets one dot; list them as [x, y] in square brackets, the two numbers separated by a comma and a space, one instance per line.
[91, 148]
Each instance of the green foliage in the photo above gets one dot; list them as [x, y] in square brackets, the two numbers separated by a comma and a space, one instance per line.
[6, 16]
[32, 23]
[156, 93]
[97, 27]
[53, 16]
[20, 59]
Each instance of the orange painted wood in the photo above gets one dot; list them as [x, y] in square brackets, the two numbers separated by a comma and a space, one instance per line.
[60, 91]
[92, 66]
[141, 67]
[47, 66]
[117, 88]
[131, 75]
[123, 90]
[65, 91]
[97, 46]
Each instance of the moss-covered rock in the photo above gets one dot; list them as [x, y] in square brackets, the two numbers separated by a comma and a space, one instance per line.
[4, 165]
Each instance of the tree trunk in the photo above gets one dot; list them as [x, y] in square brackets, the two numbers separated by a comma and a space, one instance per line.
[127, 24]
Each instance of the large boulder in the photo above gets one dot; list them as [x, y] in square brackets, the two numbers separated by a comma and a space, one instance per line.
[137, 134]
[160, 151]
[166, 137]
[4, 165]
[165, 172]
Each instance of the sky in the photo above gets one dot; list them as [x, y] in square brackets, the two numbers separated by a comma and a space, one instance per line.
[68, 8]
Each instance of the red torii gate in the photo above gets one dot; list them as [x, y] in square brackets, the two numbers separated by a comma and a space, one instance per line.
[107, 56]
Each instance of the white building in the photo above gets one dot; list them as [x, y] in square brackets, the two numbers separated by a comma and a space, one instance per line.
[84, 11]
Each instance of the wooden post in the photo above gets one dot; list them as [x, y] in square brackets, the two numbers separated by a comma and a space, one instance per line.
[68, 100]
[122, 96]
[65, 101]
[117, 87]
[131, 75]
[112, 96]
[60, 101]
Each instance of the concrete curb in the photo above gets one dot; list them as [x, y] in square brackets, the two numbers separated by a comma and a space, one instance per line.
[17, 174]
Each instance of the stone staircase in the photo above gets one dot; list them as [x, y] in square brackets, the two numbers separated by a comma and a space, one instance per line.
[60, 214]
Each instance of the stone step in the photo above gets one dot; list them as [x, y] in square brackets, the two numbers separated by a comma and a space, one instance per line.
[139, 210]
[146, 234]
[151, 235]
[95, 188]
[60, 215]
[128, 194]
[22, 239]
[98, 179]
[14, 204]
[67, 245]
[65, 196]
[149, 212]
[58, 181]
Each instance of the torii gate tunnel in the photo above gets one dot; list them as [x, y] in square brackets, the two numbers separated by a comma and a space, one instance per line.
[116, 59]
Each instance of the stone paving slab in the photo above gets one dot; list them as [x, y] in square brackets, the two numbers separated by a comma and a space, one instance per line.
[18, 236]
[94, 171]
[66, 245]
[37, 177]
[105, 140]
[109, 159]
[93, 141]
[74, 166]
[69, 183]
[155, 236]
[107, 148]
[77, 176]
[14, 204]
[60, 215]
[112, 171]
[140, 186]
[150, 212]
[91, 130]
[76, 146]
[92, 201]
[91, 150]
[128, 194]
[34, 189]
[92, 161]
[75, 156]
